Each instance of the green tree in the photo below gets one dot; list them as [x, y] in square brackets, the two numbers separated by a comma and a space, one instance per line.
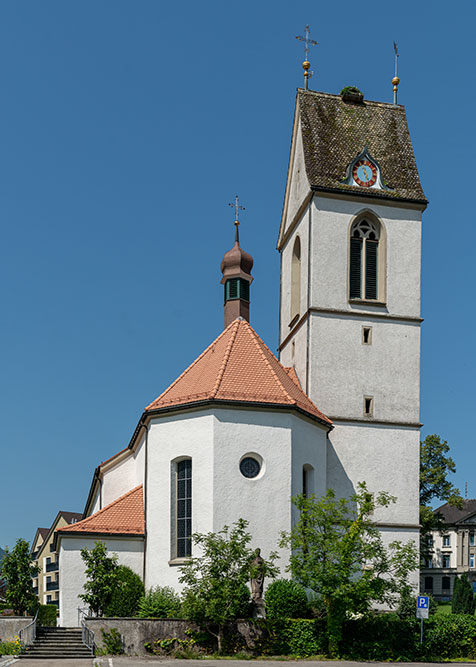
[101, 573]
[18, 571]
[463, 597]
[160, 602]
[338, 553]
[126, 594]
[435, 466]
[216, 582]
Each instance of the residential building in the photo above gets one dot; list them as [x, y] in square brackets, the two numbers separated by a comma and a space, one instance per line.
[46, 585]
[451, 553]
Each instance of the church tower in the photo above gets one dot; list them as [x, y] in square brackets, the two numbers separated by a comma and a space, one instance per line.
[350, 291]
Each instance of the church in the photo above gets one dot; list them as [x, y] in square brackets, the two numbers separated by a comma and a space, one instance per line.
[240, 432]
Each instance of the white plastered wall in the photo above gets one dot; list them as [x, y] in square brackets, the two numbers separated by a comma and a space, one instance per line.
[298, 185]
[130, 552]
[123, 476]
[386, 458]
[187, 435]
[301, 230]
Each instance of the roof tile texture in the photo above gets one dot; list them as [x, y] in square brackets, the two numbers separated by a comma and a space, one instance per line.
[452, 514]
[123, 516]
[335, 132]
[238, 366]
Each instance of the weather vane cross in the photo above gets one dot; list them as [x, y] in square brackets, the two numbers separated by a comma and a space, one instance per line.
[395, 79]
[306, 63]
[238, 208]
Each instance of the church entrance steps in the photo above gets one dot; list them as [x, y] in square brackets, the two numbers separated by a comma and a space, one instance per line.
[57, 643]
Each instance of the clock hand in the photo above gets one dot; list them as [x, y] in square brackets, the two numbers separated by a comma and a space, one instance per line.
[365, 174]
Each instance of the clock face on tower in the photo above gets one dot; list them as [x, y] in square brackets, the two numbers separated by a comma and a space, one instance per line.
[364, 173]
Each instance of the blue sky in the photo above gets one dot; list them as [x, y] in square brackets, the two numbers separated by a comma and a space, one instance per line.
[125, 129]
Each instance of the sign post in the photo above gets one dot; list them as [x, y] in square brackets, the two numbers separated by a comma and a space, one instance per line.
[422, 611]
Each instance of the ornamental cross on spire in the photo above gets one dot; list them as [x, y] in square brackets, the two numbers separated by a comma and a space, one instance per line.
[238, 208]
[306, 64]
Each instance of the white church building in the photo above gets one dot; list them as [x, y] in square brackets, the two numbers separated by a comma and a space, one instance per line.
[239, 432]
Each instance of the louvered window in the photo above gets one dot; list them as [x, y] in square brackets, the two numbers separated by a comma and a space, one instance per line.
[237, 288]
[184, 508]
[363, 267]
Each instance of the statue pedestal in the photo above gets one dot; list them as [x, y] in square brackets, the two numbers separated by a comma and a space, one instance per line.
[259, 608]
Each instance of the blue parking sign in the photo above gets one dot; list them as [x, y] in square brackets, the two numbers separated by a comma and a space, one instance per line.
[423, 602]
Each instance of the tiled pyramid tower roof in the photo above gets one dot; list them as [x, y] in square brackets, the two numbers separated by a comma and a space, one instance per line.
[124, 516]
[238, 368]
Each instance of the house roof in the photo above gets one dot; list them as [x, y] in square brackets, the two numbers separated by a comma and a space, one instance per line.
[238, 367]
[43, 532]
[452, 514]
[71, 517]
[334, 132]
[124, 516]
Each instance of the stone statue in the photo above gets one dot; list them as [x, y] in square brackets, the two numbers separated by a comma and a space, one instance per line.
[257, 582]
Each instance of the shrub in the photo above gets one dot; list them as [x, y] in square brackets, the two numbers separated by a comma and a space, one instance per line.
[127, 593]
[112, 641]
[463, 596]
[47, 614]
[450, 636]
[285, 599]
[381, 637]
[159, 602]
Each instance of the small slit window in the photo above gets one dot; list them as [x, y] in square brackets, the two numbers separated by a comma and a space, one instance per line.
[368, 406]
[296, 279]
[363, 268]
[366, 335]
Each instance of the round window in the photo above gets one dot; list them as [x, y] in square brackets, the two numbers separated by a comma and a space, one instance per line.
[250, 467]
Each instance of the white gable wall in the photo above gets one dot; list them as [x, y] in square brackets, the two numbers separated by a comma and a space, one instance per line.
[130, 552]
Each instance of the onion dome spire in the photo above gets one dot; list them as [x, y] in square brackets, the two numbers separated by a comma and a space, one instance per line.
[236, 268]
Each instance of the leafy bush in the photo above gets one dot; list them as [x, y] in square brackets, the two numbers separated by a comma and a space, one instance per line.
[174, 647]
[127, 593]
[350, 89]
[408, 604]
[381, 637]
[47, 615]
[112, 641]
[298, 637]
[450, 636]
[159, 602]
[285, 599]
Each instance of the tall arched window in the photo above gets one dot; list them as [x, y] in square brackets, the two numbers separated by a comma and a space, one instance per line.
[363, 268]
[296, 279]
[183, 508]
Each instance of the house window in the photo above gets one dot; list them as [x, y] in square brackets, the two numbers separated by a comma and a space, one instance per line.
[446, 560]
[446, 583]
[429, 562]
[428, 583]
[446, 540]
[471, 539]
[307, 480]
[296, 279]
[471, 560]
[184, 508]
[429, 540]
[363, 266]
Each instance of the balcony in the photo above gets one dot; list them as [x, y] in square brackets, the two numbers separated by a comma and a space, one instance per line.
[52, 586]
[52, 567]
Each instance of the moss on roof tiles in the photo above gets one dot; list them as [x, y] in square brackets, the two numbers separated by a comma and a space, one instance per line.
[335, 132]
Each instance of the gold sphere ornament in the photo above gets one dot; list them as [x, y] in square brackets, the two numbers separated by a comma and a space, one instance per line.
[395, 80]
[306, 65]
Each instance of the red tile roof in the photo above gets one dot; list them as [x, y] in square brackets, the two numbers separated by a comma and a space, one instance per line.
[239, 367]
[123, 516]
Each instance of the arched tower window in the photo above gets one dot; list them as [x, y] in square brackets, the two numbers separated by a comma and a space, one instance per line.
[181, 509]
[364, 261]
[296, 279]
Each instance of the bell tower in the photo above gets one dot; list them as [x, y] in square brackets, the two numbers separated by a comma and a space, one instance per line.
[350, 291]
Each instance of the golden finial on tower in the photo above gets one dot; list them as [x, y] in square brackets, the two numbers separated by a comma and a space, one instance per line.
[238, 208]
[395, 79]
[306, 64]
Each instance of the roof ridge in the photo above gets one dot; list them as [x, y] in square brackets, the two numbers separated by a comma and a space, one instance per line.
[258, 342]
[226, 357]
[189, 368]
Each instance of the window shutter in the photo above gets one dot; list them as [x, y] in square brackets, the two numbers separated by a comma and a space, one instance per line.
[244, 290]
[355, 268]
[371, 269]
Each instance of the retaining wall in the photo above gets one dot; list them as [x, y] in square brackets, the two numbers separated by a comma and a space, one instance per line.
[10, 626]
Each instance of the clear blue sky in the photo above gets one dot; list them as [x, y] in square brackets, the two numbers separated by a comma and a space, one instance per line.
[125, 129]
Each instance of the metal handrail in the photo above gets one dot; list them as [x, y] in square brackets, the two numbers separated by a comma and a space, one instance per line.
[87, 635]
[29, 630]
